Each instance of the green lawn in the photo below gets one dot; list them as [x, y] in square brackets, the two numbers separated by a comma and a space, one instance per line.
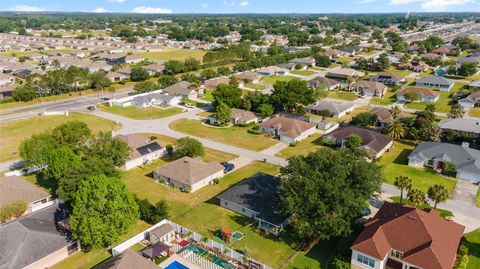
[474, 77]
[137, 113]
[237, 136]
[207, 95]
[388, 99]
[395, 163]
[303, 72]
[271, 80]
[443, 213]
[398, 72]
[474, 112]
[478, 198]
[342, 95]
[13, 132]
[346, 60]
[172, 54]
[472, 241]
[308, 145]
[255, 86]
[442, 104]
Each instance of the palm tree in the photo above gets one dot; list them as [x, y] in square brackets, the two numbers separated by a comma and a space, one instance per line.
[456, 112]
[416, 197]
[396, 130]
[437, 193]
[395, 112]
[403, 183]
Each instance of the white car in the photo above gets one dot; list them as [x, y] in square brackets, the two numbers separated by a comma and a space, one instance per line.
[189, 105]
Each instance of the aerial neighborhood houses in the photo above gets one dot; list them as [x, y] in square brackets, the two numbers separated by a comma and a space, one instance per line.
[335, 109]
[436, 82]
[142, 150]
[287, 129]
[425, 94]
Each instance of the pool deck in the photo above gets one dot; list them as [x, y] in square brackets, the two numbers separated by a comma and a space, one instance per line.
[180, 259]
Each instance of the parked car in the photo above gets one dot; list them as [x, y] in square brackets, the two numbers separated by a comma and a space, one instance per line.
[189, 105]
[91, 107]
[227, 167]
[366, 212]
[104, 98]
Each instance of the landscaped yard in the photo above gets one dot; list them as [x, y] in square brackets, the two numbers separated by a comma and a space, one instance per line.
[472, 241]
[395, 163]
[442, 104]
[237, 136]
[443, 213]
[13, 132]
[137, 113]
[271, 80]
[255, 86]
[303, 72]
[308, 145]
[342, 95]
[207, 95]
[388, 99]
[398, 72]
[172, 54]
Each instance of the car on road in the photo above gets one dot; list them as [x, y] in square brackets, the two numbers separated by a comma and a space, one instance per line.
[227, 167]
[189, 105]
[91, 107]
[104, 98]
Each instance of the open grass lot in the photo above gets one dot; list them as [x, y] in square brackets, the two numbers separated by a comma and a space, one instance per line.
[271, 80]
[255, 86]
[472, 241]
[345, 60]
[342, 95]
[17, 53]
[474, 112]
[237, 136]
[90, 259]
[442, 104]
[395, 163]
[172, 54]
[136, 113]
[303, 72]
[308, 145]
[45, 99]
[13, 132]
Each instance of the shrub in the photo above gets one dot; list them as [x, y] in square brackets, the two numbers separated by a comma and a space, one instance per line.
[13, 210]
[449, 169]
[254, 130]
[216, 180]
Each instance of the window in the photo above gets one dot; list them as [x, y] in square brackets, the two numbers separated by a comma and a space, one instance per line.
[365, 260]
[430, 162]
[396, 254]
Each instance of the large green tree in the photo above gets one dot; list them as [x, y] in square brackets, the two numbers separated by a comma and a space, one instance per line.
[403, 183]
[187, 146]
[326, 189]
[293, 95]
[34, 150]
[437, 193]
[222, 114]
[139, 74]
[228, 94]
[103, 210]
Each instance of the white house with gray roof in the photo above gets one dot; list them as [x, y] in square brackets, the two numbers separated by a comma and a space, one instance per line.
[471, 126]
[435, 155]
[440, 83]
[338, 110]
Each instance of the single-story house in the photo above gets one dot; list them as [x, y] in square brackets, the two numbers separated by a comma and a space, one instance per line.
[258, 198]
[343, 74]
[115, 76]
[444, 51]
[462, 60]
[432, 81]
[184, 89]
[189, 174]
[375, 143]
[327, 83]
[6, 91]
[470, 101]
[474, 85]
[155, 99]
[125, 71]
[249, 77]
[435, 155]
[132, 59]
[417, 67]
[152, 69]
[426, 94]
[304, 62]
[38, 240]
[6, 79]
[237, 116]
[287, 130]
[337, 110]
[164, 233]
[326, 126]
[143, 150]
[401, 236]
[16, 189]
[368, 88]
[127, 260]
[384, 117]
[112, 59]
[470, 126]
[214, 82]
[272, 71]
[388, 78]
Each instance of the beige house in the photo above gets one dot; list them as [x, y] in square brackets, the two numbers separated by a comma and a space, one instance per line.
[189, 174]
[143, 150]
[164, 233]
[287, 130]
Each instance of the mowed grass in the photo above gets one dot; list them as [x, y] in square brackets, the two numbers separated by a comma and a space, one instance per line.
[137, 113]
[303, 72]
[172, 54]
[472, 241]
[255, 86]
[13, 132]
[348, 96]
[474, 112]
[207, 95]
[236, 136]
[271, 80]
[442, 105]
[308, 145]
[388, 99]
[395, 163]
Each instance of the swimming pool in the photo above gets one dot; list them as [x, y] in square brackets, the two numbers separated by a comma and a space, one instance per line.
[176, 265]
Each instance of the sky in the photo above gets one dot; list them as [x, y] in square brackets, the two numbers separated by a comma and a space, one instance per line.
[242, 6]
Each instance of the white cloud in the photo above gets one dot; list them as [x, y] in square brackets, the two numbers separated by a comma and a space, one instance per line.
[25, 8]
[433, 5]
[204, 5]
[366, 1]
[116, 1]
[244, 3]
[144, 9]
[100, 10]
[230, 4]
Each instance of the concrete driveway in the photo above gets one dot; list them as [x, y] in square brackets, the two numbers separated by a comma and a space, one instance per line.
[465, 191]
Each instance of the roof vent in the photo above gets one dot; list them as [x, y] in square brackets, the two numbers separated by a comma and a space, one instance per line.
[465, 144]
[412, 217]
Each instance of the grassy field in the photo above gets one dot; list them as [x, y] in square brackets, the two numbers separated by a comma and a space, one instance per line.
[172, 54]
[474, 112]
[271, 80]
[395, 163]
[303, 72]
[136, 113]
[472, 241]
[13, 132]
[16, 53]
[348, 96]
[442, 104]
[45, 99]
[308, 145]
[237, 136]
[255, 86]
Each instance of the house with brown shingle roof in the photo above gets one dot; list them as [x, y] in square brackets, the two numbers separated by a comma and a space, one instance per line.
[287, 130]
[388, 78]
[249, 77]
[470, 101]
[188, 173]
[426, 94]
[214, 82]
[15, 189]
[401, 236]
[327, 83]
[127, 260]
[368, 88]
[142, 150]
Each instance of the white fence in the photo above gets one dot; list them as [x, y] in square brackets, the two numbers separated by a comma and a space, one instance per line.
[196, 237]
[52, 113]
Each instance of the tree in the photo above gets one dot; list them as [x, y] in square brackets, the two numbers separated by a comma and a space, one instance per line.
[416, 197]
[322, 61]
[72, 134]
[152, 214]
[191, 64]
[173, 67]
[395, 112]
[34, 150]
[107, 147]
[396, 130]
[228, 94]
[326, 189]
[403, 183]
[437, 193]
[467, 69]
[166, 80]
[138, 74]
[103, 209]
[292, 96]
[413, 96]
[364, 119]
[187, 146]
[25, 92]
[145, 86]
[354, 141]
[99, 81]
[222, 114]
[456, 111]
[266, 110]
[382, 63]
[59, 161]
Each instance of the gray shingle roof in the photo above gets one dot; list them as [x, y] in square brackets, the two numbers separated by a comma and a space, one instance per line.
[434, 80]
[331, 106]
[466, 125]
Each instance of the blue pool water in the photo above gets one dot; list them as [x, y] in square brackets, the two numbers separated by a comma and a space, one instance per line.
[176, 265]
